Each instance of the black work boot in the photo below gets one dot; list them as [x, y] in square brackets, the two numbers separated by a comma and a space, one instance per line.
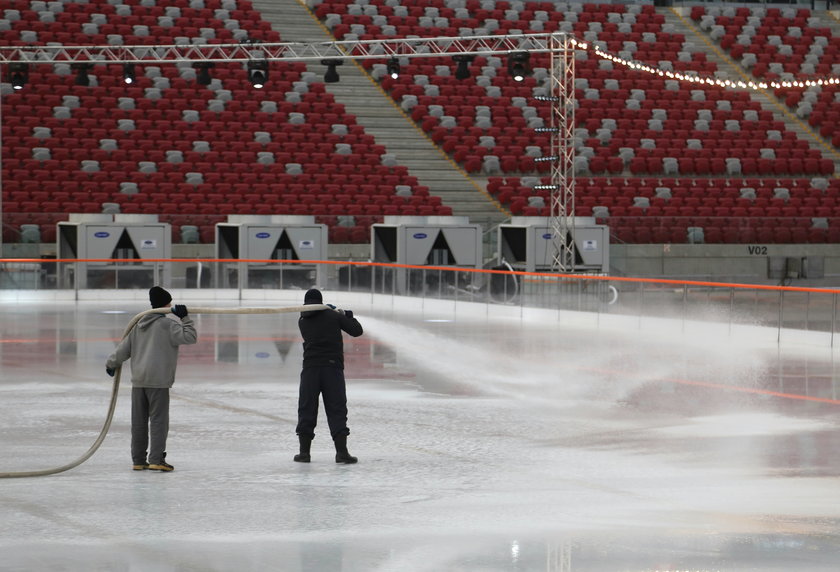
[341, 453]
[305, 443]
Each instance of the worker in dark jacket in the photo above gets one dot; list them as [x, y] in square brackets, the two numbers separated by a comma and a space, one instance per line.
[152, 345]
[323, 374]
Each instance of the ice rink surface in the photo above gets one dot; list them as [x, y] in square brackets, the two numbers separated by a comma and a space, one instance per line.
[487, 441]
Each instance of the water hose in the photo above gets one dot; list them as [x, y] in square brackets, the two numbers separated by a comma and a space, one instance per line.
[115, 389]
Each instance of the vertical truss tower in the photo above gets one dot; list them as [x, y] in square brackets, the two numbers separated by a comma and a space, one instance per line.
[562, 98]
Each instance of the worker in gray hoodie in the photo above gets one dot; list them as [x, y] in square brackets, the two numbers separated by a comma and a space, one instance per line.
[153, 346]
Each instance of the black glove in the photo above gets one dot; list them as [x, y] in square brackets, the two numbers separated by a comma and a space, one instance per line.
[349, 313]
[180, 310]
[110, 371]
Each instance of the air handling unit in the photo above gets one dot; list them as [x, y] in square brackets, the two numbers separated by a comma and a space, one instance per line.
[424, 241]
[115, 251]
[527, 244]
[256, 241]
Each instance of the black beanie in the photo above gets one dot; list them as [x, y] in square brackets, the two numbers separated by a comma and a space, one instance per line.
[313, 296]
[159, 297]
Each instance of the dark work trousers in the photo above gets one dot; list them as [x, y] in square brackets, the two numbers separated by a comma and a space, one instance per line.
[149, 416]
[328, 382]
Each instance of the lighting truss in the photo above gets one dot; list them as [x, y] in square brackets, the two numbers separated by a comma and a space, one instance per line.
[560, 46]
[289, 51]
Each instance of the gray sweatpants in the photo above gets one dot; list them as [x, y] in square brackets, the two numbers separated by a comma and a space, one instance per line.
[149, 417]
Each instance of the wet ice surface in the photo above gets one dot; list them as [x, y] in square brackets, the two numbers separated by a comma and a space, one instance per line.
[484, 443]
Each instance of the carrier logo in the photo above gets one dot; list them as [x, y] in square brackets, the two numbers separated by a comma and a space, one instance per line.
[420, 235]
[547, 236]
[262, 355]
[102, 234]
[263, 235]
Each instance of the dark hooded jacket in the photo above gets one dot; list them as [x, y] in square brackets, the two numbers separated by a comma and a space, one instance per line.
[322, 340]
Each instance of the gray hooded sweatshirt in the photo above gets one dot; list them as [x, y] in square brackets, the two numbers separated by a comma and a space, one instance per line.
[152, 346]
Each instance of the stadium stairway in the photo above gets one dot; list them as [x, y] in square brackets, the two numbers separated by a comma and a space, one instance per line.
[381, 118]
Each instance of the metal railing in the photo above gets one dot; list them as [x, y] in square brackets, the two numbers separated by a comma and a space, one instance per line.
[732, 304]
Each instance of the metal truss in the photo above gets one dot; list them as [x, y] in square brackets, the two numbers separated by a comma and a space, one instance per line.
[563, 149]
[287, 51]
[560, 46]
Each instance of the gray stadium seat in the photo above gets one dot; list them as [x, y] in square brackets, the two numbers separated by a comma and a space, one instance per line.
[189, 234]
[30, 233]
[695, 235]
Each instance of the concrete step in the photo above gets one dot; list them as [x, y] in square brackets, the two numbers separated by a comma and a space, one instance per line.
[382, 119]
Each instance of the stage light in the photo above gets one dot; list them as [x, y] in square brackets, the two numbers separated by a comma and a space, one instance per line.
[331, 75]
[393, 68]
[82, 70]
[128, 73]
[202, 76]
[19, 74]
[518, 65]
[258, 73]
[463, 69]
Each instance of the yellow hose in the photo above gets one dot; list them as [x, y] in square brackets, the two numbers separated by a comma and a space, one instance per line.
[115, 389]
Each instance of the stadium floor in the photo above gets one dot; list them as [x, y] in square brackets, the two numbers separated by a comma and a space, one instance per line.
[486, 441]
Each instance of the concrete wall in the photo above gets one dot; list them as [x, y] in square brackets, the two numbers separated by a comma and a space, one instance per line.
[743, 263]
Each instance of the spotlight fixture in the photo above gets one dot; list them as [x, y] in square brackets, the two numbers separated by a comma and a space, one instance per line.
[82, 70]
[393, 67]
[545, 159]
[463, 69]
[331, 75]
[202, 76]
[546, 129]
[518, 65]
[129, 76]
[258, 73]
[546, 98]
[19, 74]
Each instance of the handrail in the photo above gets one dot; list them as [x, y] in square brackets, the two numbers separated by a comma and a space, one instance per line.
[552, 275]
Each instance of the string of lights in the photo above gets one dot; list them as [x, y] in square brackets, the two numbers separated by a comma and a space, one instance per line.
[708, 80]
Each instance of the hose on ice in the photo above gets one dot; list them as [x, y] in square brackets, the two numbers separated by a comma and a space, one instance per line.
[116, 385]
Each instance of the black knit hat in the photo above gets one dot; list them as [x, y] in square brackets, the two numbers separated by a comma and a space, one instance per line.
[159, 297]
[313, 296]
